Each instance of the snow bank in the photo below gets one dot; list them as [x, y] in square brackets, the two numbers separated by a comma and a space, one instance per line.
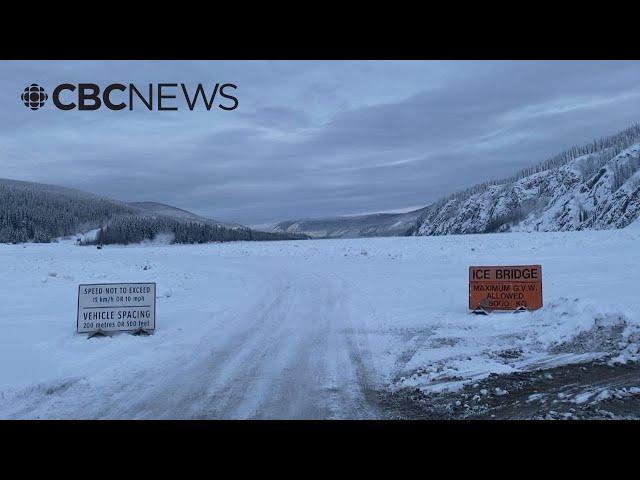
[634, 226]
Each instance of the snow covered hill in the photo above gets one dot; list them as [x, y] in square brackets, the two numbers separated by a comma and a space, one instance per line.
[596, 186]
[148, 209]
[35, 212]
[38, 212]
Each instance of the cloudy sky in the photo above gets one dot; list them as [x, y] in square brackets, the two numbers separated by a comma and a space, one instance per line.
[314, 138]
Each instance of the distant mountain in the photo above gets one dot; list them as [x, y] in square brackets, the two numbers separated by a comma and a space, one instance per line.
[373, 225]
[596, 186]
[149, 209]
[35, 212]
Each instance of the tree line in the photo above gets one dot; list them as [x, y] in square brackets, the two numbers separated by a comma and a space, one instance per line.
[127, 230]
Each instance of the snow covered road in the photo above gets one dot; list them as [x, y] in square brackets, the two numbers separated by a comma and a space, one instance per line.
[304, 329]
[235, 340]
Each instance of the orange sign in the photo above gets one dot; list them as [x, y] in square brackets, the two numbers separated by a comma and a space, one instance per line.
[505, 287]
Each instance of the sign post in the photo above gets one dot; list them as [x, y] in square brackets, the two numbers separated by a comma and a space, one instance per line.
[105, 308]
[516, 288]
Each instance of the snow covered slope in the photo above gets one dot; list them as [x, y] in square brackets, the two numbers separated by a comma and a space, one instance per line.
[303, 329]
[146, 209]
[592, 187]
[38, 212]
[634, 226]
[35, 212]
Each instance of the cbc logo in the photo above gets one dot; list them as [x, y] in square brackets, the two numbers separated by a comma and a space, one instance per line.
[118, 96]
[34, 96]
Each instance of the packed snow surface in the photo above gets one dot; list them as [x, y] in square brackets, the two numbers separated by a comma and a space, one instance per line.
[302, 329]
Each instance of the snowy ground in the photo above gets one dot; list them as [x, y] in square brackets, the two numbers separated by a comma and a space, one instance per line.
[306, 329]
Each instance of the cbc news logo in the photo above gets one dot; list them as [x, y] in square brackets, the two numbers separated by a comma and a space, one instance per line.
[34, 96]
[118, 96]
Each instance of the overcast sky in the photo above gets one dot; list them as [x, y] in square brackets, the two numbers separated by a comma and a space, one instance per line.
[311, 139]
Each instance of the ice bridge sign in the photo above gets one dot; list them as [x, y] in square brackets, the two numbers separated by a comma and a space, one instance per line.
[505, 287]
[116, 307]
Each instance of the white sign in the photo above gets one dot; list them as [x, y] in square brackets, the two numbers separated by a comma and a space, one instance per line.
[116, 307]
